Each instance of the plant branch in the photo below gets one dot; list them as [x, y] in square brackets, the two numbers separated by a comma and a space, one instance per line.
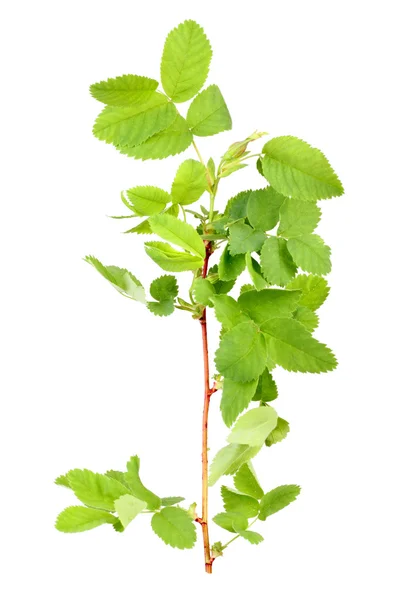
[198, 152]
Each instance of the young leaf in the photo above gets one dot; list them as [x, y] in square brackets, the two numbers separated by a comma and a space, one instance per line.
[234, 502]
[292, 347]
[242, 354]
[174, 526]
[143, 228]
[118, 475]
[243, 238]
[251, 536]
[276, 262]
[314, 290]
[298, 218]
[62, 480]
[231, 521]
[170, 259]
[220, 287]
[297, 170]
[277, 499]
[121, 279]
[310, 253]
[228, 312]
[95, 490]
[254, 427]
[128, 507]
[203, 291]
[139, 491]
[164, 288]
[185, 61]
[266, 389]
[161, 309]
[208, 113]
[124, 90]
[263, 208]
[132, 125]
[229, 266]
[190, 182]
[147, 200]
[246, 481]
[306, 317]
[171, 500]
[236, 397]
[177, 232]
[80, 518]
[279, 433]
[229, 459]
[254, 270]
[268, 304]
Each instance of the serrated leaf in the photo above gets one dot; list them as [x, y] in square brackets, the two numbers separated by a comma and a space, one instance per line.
[263, 305]
[168, 142]
[175, 527]
[161, 309]
[62, 480]
[143, 228]
[263, 208]
[247, 287]
[148, 200]
[254, 426]
[164, 288]
[170, 259]
[229, 266]
[227, 311]
[235, 398]
[122, 279]
[254, 270]
[251, 536]
[185, 61]
[276, 262]
[124, 90]
[239, 503]
[267, 390]
[208, 113]
[135, 484]
[171, 500]
[236, 207]
[306, 317]
[220, 287]
[298, 218]
[243, 238]
[128, 507]
[229, 459]
[132, 125]
[242, 354]
[310, 253]
[277, 499]
[177, 232]
[279, 433]
[314, 290]
[203, 291]
[296, 169]
[231, 521]
[292, 347]
[190, 182]
[118, 475]
[76, 519]
[95, 490]
[246, 481]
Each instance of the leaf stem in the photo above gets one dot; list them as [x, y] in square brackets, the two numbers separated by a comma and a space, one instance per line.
[198, 152]
[237, 536]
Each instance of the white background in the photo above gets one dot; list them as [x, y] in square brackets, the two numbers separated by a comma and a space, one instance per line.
[90, 378]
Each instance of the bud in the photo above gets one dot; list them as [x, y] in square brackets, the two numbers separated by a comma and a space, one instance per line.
[237, 149]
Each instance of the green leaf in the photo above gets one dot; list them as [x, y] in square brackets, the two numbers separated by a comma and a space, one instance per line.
[243, 238]
[185, 61]
[190, 182]
[118, 475]
[276, 499]
[236, 397]
[279, 433]
[170, 259]
[254, 427]
[121, 279]
[132, 125]
[251, 536]
[310, 253]
[231, 521]
[314, 290]
[208, 113]
[142, 228]
[241, 355]
[148, 200]
[298, 218]
[266, 389]
[229, 459]
[220, 287]
[246, 481]
[229, 266]
[227, 311]
[80, 518]
[124, 90]
[268, 304]
[168, 142]
[297, 170]
[254, 270]
[177, 232]
[62, 480]
[276, 262]
[128, 507]
[292, 347]
[95, 490]
[161, 309]
[164, 288]
[174, 526]
[239, 503]
[263, 208]
[247, 287]
[170, 500]
[138, 489]
[236, 207]
[203, 291]
[306, 317]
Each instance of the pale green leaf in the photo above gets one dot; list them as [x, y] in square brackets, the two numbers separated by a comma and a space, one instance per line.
[231, 521]
[306, 317]
[268, 304]
[208, 113]
[118, 475]
[124, 90]
[142, 228]
[242, 354]
[277, 499]
[62, 480]
[121, 279]
[175, 527]
[75, 519]
[310, 253]
[148, 200]
[266, 389]
[236, 396]
[314, 290]
[229, 266]
[251, 536]
[177, 232]
[185, 61]
[190, 182]
[246, 481]
[297, 170]
[95, 490]
[236, 207]
[229, 459]
[136, 486]
[279, 433]
[170, 259]
[254, 426]
[171, 500]
[298, 218]
[243, 238]
[276, 262]
[239, 503]
[203, 291]
[228, 312]
[254, 270]
[292, 347]
[128, 507]
[263, 208]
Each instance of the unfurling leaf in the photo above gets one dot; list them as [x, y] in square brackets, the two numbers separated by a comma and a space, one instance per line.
[80, 518]
[121, 279]
[208, 113]
[124, 90]
[236, 396]
[254, 427]
[190, 182]
[279, 433]
[242, 354]
[277, 499]
[175, 527]
[128, 507]
[170, 259]
[246, 481]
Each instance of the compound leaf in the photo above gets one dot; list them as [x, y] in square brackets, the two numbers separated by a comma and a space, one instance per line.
[277, 499]
[95, 490]
[242, 354]
[75, 519]
[175, 527]
[208, 113]
[124, 90]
